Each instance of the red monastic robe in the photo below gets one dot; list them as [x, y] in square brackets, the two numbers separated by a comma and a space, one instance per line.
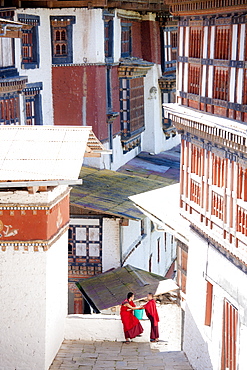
[131, 324]
[151, 310]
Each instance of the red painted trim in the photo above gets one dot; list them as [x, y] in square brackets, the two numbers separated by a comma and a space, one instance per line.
[28, 225]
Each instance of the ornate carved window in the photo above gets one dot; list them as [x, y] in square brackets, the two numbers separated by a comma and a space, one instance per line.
[194, 79]
[170, 49]
[242, 183]
[131, 108]
[195, 42]
[219, 170]
[195, 192]
[108, 23]
[126, 44]
[29, 42]
[222, 42]
[241, 220]
[132, 105]
[197, 160]
[217, 205]
[9, 109]
[85, 248]
[61, 35]
[221, 83]
[229, 337]
[33, 104]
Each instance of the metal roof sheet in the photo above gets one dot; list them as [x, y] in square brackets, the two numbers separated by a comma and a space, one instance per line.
[108, 192]
[44, 152]
[110, 288]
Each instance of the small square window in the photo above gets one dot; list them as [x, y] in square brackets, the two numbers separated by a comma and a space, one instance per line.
[81, 249]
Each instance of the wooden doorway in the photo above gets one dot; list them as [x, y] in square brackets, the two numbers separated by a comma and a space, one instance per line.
[229, 337]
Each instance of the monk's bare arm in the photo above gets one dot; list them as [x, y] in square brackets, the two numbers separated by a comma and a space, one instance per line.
[131, 307]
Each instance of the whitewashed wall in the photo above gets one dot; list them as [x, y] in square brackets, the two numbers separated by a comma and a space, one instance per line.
[110, 244]
[99, 327]
[88, 46]
[33, 306]
[154, 140]
[203, 344]
[56, 297]
[23, 314]
[131, 237]
[119, 158]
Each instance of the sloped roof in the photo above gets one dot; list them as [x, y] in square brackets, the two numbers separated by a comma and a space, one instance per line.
[44, 152]
[111, 288]
[168, 216]
[108, 192]
[12, 29]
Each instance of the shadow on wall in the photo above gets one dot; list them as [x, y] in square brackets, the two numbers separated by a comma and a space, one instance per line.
[194, 345]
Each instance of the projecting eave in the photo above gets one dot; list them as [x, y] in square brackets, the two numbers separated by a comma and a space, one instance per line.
[11, 29]
[181, 116]
[162, 207]
[94, 147]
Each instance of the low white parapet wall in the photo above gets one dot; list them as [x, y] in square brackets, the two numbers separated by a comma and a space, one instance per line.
[100, 327]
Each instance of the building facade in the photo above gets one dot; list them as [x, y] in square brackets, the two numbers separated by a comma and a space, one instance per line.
[36, 169]
[99, 66]
[107, 231]
[210, 114]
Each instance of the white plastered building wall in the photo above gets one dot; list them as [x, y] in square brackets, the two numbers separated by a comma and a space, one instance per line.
[138, 248]
[203, 344]
[34, 299]
[34, 270]
[88, 48]
[154, 139]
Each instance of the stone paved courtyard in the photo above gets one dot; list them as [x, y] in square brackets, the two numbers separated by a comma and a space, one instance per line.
[118, 356]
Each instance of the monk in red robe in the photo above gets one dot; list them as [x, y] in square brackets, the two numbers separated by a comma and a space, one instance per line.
[131, 325]
[152, 314]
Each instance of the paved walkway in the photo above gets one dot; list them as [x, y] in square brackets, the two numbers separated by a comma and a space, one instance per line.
[118, 356]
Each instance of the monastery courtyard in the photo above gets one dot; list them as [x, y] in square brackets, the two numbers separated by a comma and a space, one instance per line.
[118, 356]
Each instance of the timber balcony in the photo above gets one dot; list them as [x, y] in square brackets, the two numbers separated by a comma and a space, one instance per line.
[202, 6]
[139, 5]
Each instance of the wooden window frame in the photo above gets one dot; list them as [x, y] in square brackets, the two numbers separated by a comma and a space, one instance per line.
[195, 42]
[62, 24]
[221, 83]
[33, 104]
[30, 41]
[229, 337]
[132, 106]
[209, 304]
[195, 192]
[126, 40]
[194, 80]
[217, 206]
[9, 110]
[223, 42]
[109, 38]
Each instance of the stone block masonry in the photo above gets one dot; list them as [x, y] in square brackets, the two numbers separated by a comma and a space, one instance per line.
[117, 356]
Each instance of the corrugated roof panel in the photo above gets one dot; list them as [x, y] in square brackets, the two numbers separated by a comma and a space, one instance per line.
[42, 152]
